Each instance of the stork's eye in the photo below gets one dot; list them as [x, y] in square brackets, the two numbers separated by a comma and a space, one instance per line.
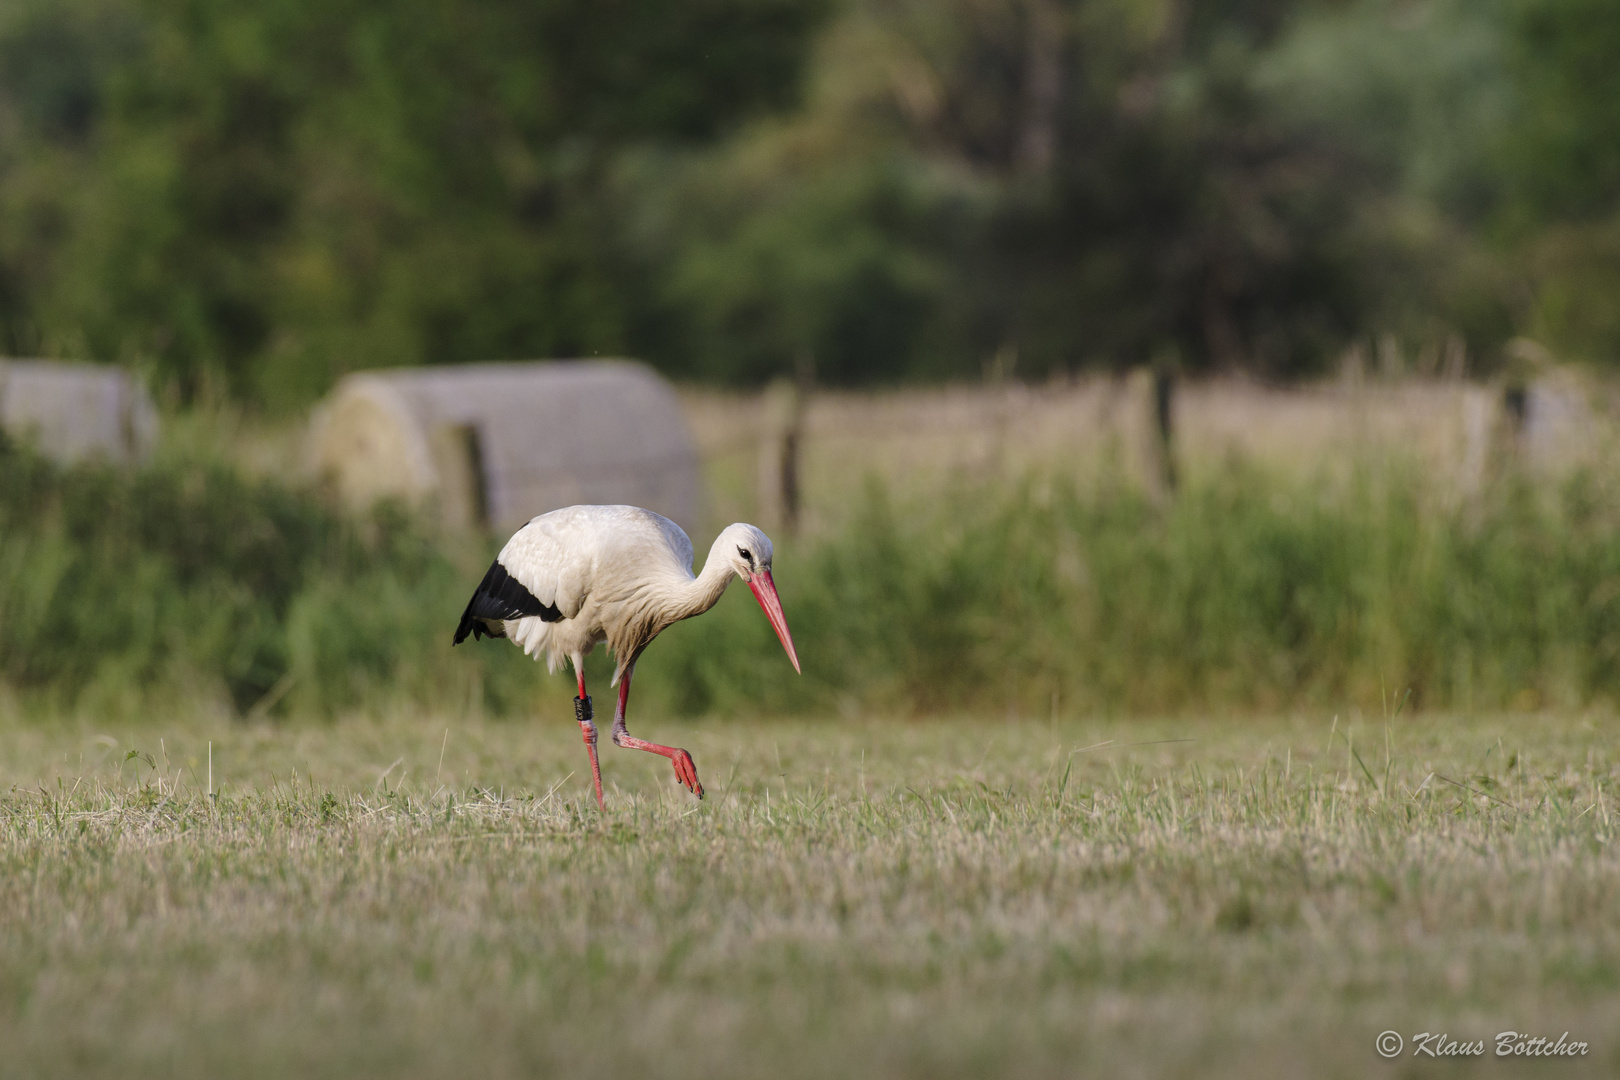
[747, 555]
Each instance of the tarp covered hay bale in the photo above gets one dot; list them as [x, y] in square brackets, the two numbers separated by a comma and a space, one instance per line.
[496, 444]
[75, 411]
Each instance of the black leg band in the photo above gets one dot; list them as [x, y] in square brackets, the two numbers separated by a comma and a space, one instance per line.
[582, 708]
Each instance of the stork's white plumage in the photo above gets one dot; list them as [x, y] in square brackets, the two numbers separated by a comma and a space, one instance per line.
[574, 578]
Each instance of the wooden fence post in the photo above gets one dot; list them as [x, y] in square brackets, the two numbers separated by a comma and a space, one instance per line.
[782, 446]
[1164, 417]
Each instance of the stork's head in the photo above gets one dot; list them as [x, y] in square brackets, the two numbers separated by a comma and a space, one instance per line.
[748, 551]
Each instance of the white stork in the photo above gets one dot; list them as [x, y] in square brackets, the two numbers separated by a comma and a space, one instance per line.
[586, 574]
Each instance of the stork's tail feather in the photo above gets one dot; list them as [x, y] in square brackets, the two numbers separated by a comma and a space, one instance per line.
[499, 597]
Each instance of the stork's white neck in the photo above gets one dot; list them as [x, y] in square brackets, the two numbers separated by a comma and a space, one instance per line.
[704, 591]
[662, 599]
[680, 595]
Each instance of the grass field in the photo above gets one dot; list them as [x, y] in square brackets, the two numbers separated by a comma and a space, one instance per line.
[953, 898]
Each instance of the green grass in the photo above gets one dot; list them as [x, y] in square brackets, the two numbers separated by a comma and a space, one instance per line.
[423, 897]
[121, 593]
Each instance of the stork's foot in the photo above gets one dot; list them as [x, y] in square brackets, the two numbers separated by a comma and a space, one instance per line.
[685, 767]
[686, 771]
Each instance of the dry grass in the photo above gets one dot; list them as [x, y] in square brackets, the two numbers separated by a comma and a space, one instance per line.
[919, 440]
[956, 898]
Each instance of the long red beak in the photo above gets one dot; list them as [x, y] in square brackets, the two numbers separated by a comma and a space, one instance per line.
[765, 592]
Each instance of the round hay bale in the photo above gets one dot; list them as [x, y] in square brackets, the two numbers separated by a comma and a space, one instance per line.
[75, 411]
[493, 445]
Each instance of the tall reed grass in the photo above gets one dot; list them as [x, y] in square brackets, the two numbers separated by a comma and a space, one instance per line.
[186, 582]
[1245, 592]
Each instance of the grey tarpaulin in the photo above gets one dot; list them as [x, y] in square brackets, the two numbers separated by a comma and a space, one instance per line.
[496, 444]
[74, 411]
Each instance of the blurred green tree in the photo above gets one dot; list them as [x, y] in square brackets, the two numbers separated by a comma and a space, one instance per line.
[1058, 184]
[251, 200]
[1561, 153]
[278, 192]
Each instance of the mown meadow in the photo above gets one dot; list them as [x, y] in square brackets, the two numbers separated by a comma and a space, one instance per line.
[971, 897]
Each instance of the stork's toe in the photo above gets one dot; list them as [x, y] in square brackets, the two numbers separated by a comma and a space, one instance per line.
[686, 772]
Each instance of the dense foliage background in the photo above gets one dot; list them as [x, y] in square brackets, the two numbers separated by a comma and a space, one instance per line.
[249, 200]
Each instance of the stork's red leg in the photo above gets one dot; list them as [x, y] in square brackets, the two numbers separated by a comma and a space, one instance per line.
[587, 730]
[685, 768]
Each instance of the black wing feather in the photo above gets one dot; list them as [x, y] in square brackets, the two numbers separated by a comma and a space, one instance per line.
[498, 597]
